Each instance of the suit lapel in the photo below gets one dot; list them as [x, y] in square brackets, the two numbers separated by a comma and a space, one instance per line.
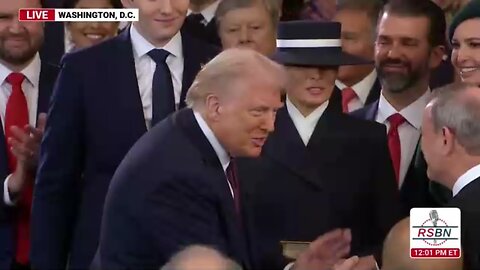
[374, 93]
[48, 75]
[191, 66]
[126, 92]
[186, 120]
[371, 111]
[286, 147]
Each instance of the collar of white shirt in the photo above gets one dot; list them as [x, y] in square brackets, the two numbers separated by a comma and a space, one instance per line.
[212, 139]
[468, 177]
[305, 125]
[412, 113]
[141, 46]
[31, 72]
[209, 12]
[363, 87]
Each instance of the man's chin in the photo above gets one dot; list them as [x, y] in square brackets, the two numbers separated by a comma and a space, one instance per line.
[17, 58]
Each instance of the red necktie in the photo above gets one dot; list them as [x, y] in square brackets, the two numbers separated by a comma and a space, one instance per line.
[16, 114]
[394, 145]
[347, 95]
[232, 179]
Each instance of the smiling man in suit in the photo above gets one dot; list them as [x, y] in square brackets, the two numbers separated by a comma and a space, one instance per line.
[409, 44]
[26, 82]
[106, 97]
[320, 169]
[185, 188]
[451, 144]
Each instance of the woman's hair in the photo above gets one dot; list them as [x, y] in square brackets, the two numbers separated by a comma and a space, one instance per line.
[470, 11]
[73, 3]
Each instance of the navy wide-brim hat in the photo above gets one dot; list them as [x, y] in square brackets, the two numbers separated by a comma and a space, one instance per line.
[312, 44]
[470, 11]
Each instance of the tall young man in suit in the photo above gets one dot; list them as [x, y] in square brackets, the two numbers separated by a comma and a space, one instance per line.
[451, 144]
[106, 97]
[409, 44]
[320, 169]
[26, 83]
[186, 188]
[357, 85]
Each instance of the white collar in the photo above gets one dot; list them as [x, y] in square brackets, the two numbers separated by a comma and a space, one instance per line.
[363, 87]
[305, 125]
[212, 139]
[468, 177]
[31, 72]
[141, 46]
[412, 113]
[209, 12]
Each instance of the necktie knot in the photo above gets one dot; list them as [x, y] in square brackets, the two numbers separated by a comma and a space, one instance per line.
[159, 56]
[15, 79]
[196, 18]
[396, 120]
[348, 94]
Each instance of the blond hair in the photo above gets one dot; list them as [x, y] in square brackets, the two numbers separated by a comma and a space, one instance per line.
[229, 67]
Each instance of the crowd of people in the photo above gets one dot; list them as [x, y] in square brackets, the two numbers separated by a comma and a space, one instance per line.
[212, 134]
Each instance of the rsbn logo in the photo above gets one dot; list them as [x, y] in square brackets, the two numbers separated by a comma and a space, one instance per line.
[435, 233]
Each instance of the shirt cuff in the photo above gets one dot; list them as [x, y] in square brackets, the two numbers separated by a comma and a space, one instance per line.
[6, 195]
[289, 266]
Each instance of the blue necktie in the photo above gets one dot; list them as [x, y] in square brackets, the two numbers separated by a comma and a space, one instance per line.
[163, 98]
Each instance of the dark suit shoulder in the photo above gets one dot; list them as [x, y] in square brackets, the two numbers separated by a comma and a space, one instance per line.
[201, 47]
[95, 54]
[361, 126]
[469, 197]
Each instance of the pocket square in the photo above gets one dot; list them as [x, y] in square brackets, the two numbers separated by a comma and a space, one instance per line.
[292, 249]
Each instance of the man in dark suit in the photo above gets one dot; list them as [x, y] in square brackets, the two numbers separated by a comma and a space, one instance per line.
[201, 22]
[404, 71]
[320, 169]
[357, 85]
[26, 85]
[106, 97]
[450, 142]
[185, 188]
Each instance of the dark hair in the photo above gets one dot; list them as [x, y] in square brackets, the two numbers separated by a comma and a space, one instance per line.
[73, 3]
[371, 7]
[470, 11]
[422, 8]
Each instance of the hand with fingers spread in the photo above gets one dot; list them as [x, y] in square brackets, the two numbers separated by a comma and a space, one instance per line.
[326, 251]
[25, 146]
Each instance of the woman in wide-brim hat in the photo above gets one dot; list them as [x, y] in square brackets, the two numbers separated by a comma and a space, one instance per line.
[464, 35]
[311, 52]
[319, 160]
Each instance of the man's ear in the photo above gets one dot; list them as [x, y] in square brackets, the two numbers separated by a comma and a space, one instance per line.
[449, 140]
[212, 107]
[436, 56]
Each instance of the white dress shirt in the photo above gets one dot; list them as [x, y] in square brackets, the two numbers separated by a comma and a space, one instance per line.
[305, 125]
[145, 68]
[30, 89]
[219, 150]
[208, 13]
[409, 131]
[468, 177]
[362, 89]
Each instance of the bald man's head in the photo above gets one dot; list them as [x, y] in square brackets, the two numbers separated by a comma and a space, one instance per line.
[198, 257]
[396, 253]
